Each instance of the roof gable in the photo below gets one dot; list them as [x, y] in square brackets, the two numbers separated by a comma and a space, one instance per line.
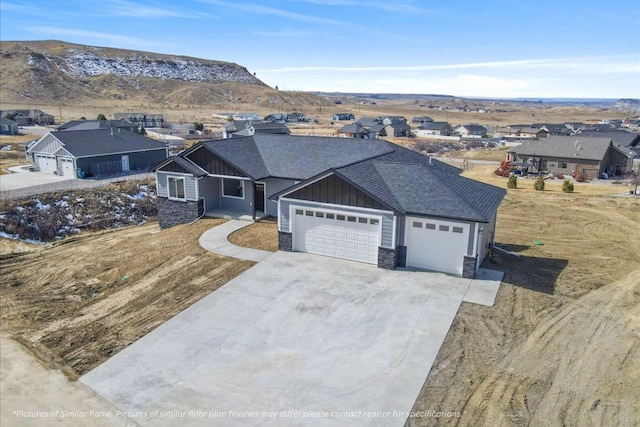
[336, 190]
[213, 164]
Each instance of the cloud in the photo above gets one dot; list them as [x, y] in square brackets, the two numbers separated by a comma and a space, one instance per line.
[111, 39]
[293, 34]
[592, 64]
[391, 6]
[138, 10]
[264, 10]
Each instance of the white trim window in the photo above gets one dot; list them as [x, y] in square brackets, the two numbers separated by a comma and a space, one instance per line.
[176, 188]
[233, 188]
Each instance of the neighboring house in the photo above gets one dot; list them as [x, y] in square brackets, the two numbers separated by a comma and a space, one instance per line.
[367, 200]
[421, 119]
[380, 131]
[8, 127]
[97, 124]
[400, 129]
[559, 129]
[142, 119]
[433, 128]
[354, 130]
[96, 152]
[238, 128]
[341, 117]
[573, 155]
[247, 116]
[285, 118]
[470, 130]
[29, 117]
[368, 122]
[531, 132]
[390, 120]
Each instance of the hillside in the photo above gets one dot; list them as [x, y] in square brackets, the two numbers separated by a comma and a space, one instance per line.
[52, 72]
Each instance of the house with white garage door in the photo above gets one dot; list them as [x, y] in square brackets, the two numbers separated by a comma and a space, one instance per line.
[364, 200]
[99, 152]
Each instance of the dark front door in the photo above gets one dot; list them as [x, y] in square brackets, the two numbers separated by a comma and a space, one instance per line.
[258, 197]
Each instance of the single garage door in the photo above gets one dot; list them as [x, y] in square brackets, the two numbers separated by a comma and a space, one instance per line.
[46, 163]
[67, 168]
[436, 245]
[340, 235]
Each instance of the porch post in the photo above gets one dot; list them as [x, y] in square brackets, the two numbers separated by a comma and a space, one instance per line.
[253, 204]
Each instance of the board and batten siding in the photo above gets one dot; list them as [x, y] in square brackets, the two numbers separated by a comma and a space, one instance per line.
[190, 184]
[387, 217]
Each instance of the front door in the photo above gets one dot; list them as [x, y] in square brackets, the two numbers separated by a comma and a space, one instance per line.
[125, 163]
[259, 197]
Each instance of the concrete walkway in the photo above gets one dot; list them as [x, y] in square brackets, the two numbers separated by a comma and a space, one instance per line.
[215, 240]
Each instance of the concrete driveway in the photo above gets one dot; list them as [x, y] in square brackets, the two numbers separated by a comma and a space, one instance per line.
[24, 178]
[298, 339]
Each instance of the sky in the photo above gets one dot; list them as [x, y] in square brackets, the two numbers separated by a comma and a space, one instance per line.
[491, 48]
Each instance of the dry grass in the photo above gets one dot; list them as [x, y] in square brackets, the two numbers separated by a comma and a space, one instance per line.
[120, 285]
[259, 235]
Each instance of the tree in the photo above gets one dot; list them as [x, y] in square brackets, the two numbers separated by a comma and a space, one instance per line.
[539, 184]
[101, 117]
[513, 181]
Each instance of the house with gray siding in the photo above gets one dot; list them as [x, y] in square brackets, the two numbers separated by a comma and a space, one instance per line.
[571, 155]
[365, 200]
[97, 153]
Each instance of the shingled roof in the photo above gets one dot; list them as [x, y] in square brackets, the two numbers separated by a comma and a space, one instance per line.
[588, 148]
[100, 142]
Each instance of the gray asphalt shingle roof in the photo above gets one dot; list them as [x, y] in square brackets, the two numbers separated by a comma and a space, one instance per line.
[423, 188]
[294, 157]
[404, 180]
[566, 147]
[87, 143]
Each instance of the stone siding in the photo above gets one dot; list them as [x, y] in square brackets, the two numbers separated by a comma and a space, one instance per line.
[387, 258]
[172, 212]
[469, 267]
[285, 241]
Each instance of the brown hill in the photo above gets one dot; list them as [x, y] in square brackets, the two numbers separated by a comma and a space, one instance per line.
[55, 72]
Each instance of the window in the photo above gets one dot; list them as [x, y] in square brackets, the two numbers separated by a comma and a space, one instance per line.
[362, 220]
[562, 164]
[308, 213]
[351, 218]
[443, 228]
[176, 188]
[233, 188]
[374, 221]
[319, 214]
[330, 216]
[299, 212]
[457, 229]
[430, 226]
[340, 217]
[417, 224]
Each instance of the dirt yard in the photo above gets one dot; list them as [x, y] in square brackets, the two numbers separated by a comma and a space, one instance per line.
[561, 344]
[77, 302]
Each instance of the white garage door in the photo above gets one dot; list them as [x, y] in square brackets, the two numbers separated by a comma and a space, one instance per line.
[46, 163]
[436, 245]
[67, 167]
[353, 237]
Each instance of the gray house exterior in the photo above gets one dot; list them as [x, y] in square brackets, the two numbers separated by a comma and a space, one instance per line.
[8, 127]
[365, 200]
[572, 155]
[101, 152]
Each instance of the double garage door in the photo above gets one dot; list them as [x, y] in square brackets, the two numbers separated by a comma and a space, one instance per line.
[50, 164]
[353, 237]
[436, 245]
